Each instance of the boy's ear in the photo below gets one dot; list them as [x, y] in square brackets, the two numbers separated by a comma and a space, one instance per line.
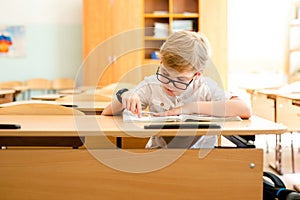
[197, 75]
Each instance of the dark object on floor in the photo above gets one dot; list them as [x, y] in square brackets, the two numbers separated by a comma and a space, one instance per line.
[276, 189]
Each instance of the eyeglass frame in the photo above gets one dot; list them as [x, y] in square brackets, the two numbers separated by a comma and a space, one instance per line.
[172, 81]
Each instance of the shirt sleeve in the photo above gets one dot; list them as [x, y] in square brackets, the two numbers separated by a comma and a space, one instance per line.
[143, 90]
[216, 92]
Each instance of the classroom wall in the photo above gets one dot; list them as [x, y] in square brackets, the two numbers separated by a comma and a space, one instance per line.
[257, 42]
[257, 32]
[53, 38]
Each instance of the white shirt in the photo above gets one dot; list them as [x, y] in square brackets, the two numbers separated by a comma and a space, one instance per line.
[203, 89]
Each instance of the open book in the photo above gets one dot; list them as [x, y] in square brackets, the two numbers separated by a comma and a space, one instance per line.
[148, 117]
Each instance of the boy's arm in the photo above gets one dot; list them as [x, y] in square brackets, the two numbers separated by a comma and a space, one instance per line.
[233, 107]
[130, 101]
[114, 108]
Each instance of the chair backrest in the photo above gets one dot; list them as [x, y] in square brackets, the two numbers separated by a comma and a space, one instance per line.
[63, 84]
[85, 97]
[10, 84]
[38, 109]
[38, 84]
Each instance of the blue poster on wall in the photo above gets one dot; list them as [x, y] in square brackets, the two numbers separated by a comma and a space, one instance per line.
[12, 41]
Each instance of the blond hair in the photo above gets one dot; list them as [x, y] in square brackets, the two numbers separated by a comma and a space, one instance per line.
[184, 50]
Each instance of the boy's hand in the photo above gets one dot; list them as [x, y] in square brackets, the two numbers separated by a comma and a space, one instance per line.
[132, 102]
[173, 111]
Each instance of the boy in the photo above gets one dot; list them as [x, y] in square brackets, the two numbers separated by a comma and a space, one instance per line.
[180, 88]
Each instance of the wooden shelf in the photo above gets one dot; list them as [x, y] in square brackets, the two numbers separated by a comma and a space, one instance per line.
[180, 15]
[151, 15]
[166, 12]
[153, 38]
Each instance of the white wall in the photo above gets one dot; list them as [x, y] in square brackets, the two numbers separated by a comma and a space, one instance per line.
[257, 41]
[53, 38]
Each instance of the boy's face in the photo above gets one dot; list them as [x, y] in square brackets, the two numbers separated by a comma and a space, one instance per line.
[174, 82]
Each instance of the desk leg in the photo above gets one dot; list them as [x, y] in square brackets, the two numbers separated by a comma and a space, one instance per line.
[292, 153]
[278, 153]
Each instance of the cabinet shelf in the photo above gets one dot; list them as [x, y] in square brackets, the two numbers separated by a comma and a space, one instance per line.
[151, 15]
[180, 15]
[162, 17]
[153, 38]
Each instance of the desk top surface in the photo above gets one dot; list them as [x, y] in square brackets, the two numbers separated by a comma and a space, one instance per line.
[293, 96]
[7, 92]
[79, 105]
[93, 125]
[47, 97]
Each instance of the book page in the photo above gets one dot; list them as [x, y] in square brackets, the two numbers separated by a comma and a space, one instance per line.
[207, 118]
[148, 117]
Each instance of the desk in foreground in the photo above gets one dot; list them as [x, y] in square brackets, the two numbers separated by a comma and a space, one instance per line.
[228, 173]
[76, 174]
[44, 125]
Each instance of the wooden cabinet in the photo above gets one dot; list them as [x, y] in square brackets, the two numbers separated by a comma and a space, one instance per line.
[111, 40]
[162, 17]
[119, 37]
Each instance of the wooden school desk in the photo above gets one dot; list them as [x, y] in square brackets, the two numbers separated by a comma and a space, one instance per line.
[263, 102]
[47, 97]
[224, 173]
[83, 106]
[288, 110]
[277, 106]
[288, 113]
[6, 96]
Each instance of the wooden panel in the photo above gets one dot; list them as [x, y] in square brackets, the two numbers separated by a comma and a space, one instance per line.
[76, 174]
[93, 142]
[89, 125]
[156, 5]
[136, 143]
[95, 27]
[263, 107]
[288, 114]
[180, 6]
[6, 98]
[214, 26]
[105, 22]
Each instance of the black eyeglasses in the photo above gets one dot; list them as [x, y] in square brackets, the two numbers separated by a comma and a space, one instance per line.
[178, 84]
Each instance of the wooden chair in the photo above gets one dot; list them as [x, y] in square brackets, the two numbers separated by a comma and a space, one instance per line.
[18, 86]
[10, 84]
[63, 84]
[111, 89]
[85, 97]
[38, 84]
[40, 109]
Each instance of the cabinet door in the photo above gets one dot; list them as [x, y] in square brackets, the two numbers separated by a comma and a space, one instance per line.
[96, 26]
[96, 50]
[107, 22]
[127, 40]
